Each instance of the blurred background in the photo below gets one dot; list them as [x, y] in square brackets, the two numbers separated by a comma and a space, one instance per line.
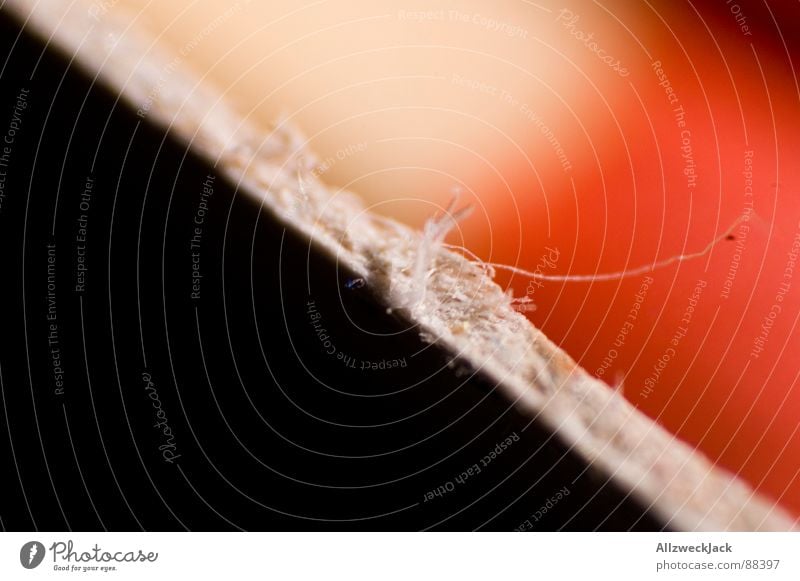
[591, 137]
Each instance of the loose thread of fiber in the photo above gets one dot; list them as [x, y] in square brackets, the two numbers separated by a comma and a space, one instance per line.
[638, 271]
[433, 235]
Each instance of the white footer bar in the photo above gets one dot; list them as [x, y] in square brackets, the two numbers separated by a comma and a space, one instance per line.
[401, 556]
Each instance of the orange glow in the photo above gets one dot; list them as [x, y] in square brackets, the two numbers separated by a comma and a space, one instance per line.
[616, 133]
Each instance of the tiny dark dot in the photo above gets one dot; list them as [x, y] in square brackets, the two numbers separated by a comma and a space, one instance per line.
[730, 237]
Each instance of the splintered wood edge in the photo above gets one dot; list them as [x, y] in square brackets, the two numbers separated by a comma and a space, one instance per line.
[463, 310]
